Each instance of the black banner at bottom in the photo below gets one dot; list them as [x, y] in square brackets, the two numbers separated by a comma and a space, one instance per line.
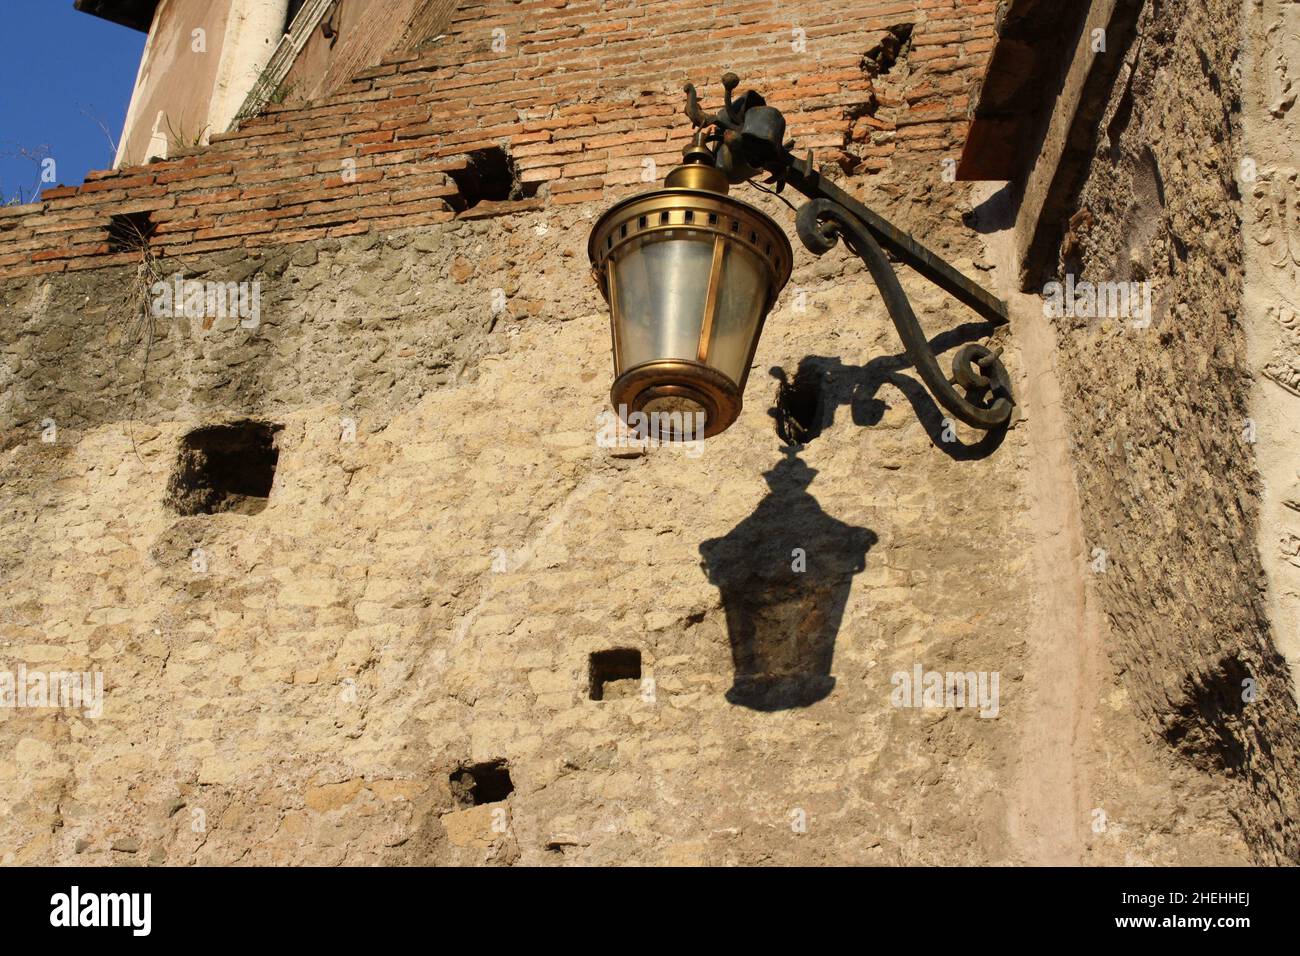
[364, 905]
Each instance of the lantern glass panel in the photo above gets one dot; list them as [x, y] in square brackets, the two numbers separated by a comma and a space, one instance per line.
[662, 283]
[742, 301]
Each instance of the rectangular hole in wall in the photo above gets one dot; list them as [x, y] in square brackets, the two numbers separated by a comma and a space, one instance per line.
[615, 674]
[128, 232]
[473, 785]
[489, 174]
[224, 468]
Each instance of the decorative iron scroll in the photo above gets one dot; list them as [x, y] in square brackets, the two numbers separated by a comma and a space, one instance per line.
[746, 138]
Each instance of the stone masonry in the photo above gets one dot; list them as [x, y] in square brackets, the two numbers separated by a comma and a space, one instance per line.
[455, 629]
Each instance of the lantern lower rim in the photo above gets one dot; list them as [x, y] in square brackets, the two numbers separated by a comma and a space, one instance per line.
[681, 383]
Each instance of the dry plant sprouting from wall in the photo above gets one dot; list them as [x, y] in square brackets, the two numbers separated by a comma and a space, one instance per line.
[131, 233]
[184, 138]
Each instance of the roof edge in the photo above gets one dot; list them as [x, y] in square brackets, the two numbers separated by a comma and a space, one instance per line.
[136, 14]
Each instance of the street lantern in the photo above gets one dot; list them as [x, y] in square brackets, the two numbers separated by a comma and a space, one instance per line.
[690, 273]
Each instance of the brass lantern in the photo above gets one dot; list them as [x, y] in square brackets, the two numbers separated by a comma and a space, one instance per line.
[690, 274]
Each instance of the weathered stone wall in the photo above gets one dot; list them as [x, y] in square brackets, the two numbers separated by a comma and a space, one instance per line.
[1161, 423]
[347, 649]
[421, 595]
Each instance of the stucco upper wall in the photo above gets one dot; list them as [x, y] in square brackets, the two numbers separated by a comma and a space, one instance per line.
[199, 63]
[175, 81]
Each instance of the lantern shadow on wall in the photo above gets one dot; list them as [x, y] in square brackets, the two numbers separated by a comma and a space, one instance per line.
[784, 574]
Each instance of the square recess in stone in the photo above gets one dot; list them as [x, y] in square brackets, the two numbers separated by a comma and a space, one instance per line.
[222, 468]
[476, 784]
[615, 674]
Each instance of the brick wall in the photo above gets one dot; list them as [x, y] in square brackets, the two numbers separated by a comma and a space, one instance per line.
[579, 93]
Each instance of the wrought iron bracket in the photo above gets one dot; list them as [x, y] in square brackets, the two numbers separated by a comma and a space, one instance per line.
[976, 369]
[746, 138]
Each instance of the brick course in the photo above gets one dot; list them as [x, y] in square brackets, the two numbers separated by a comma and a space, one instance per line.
[580, 94]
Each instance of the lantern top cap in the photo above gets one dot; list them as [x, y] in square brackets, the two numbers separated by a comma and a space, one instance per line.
[697, 170]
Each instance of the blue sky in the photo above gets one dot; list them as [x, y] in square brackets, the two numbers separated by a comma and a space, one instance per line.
[60, 71]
